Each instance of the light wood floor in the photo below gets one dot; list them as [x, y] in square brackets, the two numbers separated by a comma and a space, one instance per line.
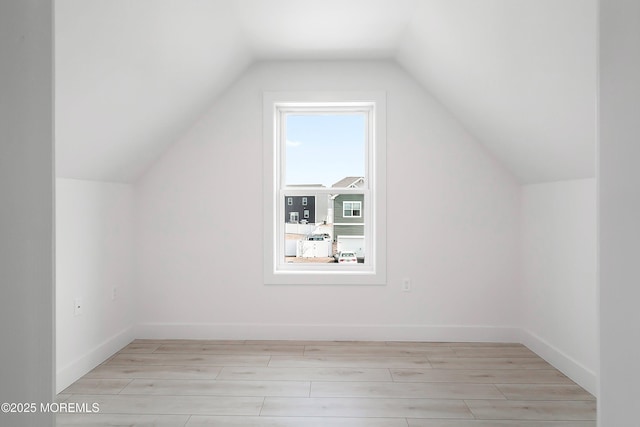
[333, 384]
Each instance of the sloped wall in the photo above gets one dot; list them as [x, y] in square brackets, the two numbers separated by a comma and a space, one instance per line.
[452, 226]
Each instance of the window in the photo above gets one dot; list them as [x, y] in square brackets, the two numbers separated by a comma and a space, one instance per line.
[352, 209]
[330, 148]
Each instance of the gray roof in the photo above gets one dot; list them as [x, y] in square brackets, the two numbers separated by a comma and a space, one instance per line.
[347, 181]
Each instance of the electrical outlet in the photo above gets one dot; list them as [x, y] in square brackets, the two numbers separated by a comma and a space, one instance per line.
[406, 285]
[77, 306]
[114, 293]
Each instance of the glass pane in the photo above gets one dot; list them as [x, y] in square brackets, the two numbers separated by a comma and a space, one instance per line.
[327, 231]
[325, 149]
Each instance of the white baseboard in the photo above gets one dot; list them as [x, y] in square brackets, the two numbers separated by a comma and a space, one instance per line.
[70, 373]
[251, 331]
[579, 373]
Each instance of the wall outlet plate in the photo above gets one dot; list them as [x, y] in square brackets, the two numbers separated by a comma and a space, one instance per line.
[406, 285]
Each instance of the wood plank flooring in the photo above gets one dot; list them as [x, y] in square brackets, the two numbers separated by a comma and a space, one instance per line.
[173, 383]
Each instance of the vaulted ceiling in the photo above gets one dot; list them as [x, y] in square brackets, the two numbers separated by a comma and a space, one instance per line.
[132, 76]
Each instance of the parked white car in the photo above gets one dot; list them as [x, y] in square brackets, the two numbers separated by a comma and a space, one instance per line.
[347, 257]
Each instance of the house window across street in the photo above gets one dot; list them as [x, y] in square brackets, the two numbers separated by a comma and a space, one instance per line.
[352, 209]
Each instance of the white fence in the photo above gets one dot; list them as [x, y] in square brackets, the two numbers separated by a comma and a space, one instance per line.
[299, 247]
[299, 228]
[313, 248]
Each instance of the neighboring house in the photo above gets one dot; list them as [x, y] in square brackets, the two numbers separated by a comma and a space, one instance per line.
[311, 208]
[348, 217]
[300, 208]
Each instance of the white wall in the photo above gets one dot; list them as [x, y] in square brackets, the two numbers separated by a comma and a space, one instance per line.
[619, 212]
[559, 301]
[26, 209]
[94, 254]
[201, 276]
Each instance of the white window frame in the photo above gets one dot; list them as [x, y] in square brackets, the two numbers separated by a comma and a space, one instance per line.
[353, 202]
[275, 106]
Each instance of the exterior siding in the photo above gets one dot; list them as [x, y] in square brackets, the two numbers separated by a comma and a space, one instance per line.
[298, 207]
[350, 226]
[338, 204]
[348, 230]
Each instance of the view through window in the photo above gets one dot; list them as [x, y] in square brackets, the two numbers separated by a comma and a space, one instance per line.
[324, 183]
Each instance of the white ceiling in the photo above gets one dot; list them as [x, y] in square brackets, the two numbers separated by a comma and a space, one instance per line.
[132, 76]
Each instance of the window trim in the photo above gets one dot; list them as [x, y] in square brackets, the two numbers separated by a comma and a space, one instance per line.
[374, 272]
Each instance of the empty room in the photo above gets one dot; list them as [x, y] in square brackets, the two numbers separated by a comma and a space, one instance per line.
[340, 213]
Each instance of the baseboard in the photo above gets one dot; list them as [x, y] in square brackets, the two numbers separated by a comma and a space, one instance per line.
[579, 373]
[70, 373]
[314, 332]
